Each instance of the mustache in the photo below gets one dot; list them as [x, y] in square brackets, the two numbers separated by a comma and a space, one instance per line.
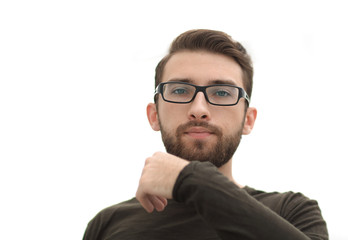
[184, 127]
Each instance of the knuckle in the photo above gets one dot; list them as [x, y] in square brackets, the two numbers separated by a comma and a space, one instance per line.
[147, 161]
[157, 154]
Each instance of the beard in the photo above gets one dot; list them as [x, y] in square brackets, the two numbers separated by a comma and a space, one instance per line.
[218, 153]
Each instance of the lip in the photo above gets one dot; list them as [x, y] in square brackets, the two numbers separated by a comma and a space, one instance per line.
[198, 132]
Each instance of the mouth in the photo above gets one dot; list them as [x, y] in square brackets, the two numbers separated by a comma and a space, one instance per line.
[198, 132]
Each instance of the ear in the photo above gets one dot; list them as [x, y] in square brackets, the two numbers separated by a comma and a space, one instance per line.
[250, 118]
[152, 116]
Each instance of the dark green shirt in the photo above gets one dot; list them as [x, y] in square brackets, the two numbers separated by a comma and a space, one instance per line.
[206, 205]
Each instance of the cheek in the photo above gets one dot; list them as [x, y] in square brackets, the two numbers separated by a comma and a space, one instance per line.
[171, 117]
[230, 121]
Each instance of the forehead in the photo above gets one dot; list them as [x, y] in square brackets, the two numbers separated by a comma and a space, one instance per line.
[202, 68]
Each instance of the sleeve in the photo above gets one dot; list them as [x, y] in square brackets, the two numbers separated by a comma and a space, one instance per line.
[231, 211]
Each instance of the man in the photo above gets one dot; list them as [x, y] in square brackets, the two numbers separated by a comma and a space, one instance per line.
[203, 89]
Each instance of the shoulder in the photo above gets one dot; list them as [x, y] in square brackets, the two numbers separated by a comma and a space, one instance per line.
[266, 196]
[285, 204]
[285, 197]
[96, 227]
[117, 208]
[302, 212]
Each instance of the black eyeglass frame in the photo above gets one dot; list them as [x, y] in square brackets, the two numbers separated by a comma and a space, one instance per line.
[241, 93]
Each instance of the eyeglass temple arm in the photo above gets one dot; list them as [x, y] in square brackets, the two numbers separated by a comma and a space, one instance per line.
[245, 95]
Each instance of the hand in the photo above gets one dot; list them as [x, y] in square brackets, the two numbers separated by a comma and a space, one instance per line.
[157, 180]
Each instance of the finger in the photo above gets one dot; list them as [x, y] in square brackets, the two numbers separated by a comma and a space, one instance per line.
[147, 205]
[164, 201]
[145, 201]
[159, 203]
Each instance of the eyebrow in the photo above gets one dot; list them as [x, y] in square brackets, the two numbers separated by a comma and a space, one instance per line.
[218, 81]
[184, 80]
[210, 82]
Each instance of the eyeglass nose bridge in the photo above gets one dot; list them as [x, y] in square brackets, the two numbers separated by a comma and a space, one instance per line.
[203, 90]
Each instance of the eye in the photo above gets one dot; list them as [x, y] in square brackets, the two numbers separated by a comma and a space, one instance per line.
[222, 93]
[179, 91]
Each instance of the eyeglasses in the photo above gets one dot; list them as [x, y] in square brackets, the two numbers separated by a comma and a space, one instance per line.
[217, 94]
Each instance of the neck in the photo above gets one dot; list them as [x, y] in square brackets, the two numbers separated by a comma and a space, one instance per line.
[226, 170]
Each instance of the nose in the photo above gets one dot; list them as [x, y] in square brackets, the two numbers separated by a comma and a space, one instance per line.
[199, 108]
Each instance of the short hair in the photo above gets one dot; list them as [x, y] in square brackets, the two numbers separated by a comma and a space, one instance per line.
[211, 41]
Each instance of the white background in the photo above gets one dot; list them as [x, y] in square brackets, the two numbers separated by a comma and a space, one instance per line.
[76, 76]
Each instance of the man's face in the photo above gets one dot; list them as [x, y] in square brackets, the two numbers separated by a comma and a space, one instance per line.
[199, 130]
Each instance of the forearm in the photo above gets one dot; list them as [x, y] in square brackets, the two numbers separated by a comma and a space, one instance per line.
[231, 211]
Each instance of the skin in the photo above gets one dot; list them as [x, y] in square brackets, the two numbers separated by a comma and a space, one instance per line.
[200, 68]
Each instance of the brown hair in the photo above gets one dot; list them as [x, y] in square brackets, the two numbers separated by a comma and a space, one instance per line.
[211, 41]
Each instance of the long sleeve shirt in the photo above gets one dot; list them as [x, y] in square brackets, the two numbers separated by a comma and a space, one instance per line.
[207, 205]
